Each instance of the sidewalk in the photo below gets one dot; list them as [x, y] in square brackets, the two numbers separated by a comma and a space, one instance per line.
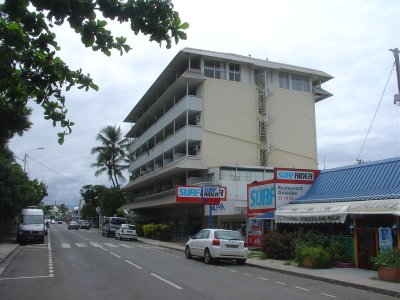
[358, 278]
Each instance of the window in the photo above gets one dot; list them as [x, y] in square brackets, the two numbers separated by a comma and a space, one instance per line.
[234, 72]
[300, 83]
[283, 80]
[213, 69]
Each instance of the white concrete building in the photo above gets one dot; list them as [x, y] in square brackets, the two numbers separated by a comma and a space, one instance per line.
[211, 113]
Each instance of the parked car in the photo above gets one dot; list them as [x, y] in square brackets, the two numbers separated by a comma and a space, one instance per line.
[59, 222]
[73, 225]
[126, 231]
[53, 221]
[215, 244]
[111, 224]
[83, 224]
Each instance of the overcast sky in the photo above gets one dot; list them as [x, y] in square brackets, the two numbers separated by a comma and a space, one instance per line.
[346, 39]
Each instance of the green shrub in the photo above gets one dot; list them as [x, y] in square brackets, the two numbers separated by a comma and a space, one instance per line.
[157, 231]
[139, 230]
[318, 257]
[277, 245]
[387, 258]
[337, 250]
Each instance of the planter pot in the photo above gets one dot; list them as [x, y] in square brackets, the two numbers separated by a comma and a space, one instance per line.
[389, 273]
[339, 264]
[307, 262]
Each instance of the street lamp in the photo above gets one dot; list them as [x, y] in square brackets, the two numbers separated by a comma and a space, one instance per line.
[26, 155]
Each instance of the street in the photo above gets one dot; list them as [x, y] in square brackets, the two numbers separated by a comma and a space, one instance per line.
[82, 264]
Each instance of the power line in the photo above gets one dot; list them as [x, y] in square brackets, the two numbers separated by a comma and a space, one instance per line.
[58, 173]
[373, 119]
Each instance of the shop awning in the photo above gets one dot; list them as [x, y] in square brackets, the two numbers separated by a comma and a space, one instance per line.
[334, 212]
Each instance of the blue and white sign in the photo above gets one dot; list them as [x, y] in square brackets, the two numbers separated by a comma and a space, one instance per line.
[261, 196]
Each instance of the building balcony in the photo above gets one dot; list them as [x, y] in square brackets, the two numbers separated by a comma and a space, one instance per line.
[191, 103]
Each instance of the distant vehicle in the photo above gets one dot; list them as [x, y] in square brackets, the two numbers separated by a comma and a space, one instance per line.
[53, 221]
[215, 244]
[73, 225]
[83, 224]
[59, 222]
[31, 225]
[111, 224]
[126, 231]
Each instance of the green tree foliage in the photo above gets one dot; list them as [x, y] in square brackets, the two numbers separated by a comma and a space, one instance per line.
[111, 201]
[108, 199]
[111, 155]
[30, 68]
[16, 190]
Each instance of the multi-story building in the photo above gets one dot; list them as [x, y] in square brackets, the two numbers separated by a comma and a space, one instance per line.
[221, 118]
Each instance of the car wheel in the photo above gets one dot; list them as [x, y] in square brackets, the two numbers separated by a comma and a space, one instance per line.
[241, 261]
[208, 259]
[188, 255]
[116, 237]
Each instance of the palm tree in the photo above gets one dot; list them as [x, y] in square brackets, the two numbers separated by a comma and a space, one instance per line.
[111, 155]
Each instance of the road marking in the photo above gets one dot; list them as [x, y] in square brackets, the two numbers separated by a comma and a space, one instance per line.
[233, 271]
[249, 275]
[80, 245]
[167, 282]
[301, 288]
[281, 283]
[30, 277]
[332, 296]
[65, 245]
[110, 245]
[116, 255]
[135, 265]
[98, 246]
[222, 268]
[262, 278]
[126, 246]
[51, 269]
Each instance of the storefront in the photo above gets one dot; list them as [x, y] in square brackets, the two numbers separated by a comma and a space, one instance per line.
[362, 200]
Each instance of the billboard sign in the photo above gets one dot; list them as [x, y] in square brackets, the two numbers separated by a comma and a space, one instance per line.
[291, 184]
[260, 198]
[198, 194]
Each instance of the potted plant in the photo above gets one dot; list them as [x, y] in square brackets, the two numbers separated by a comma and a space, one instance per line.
[388, 264]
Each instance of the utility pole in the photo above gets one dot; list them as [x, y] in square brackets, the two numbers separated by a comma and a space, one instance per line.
[396, 60]
[26, 155]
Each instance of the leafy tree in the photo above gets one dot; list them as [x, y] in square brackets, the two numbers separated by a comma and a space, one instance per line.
[16, 190]
[111, 201]
[30, 68]
[88, 211]
[111, 155]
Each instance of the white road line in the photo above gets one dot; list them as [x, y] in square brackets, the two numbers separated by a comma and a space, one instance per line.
[125, 245]
[51, 269]
[222, 268]
[301, 288]
[65, 245]
[167, 282]
[98, 246]
[135, 265]
[29, 277]
[116, 255]
[281, 283]
[262, 278]
[249, 275]
[111, 245]
[332, 296]
[233, 271]
[80, 245]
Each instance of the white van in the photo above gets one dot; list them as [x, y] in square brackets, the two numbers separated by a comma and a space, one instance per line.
[111, 224]
[31, 225]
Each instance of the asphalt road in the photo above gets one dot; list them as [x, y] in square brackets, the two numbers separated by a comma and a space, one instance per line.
[81, 264]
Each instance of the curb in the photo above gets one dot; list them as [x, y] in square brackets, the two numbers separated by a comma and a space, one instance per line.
[329, 280]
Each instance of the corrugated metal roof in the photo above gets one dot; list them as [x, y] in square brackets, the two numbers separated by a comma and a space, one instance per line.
[369, 181]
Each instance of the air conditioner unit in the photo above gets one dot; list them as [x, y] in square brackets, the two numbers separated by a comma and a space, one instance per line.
[197, 119]
[197, 148]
